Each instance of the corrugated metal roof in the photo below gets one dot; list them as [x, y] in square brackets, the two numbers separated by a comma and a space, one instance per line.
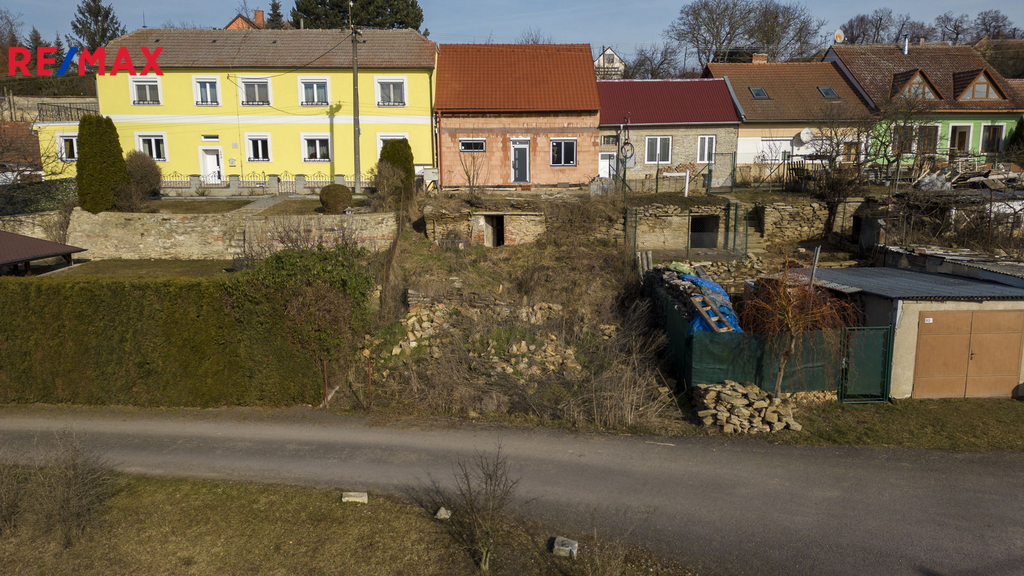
[907, 285]
[248, 49]
[1009, 268]
[699, 100]
[16, 248]
[516, 78]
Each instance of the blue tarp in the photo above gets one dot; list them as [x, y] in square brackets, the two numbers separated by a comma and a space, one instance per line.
[721, 301]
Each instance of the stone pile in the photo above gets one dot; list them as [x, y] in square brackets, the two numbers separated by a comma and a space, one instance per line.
[743, 408]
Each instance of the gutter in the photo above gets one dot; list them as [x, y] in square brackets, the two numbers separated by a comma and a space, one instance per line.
[735, 101]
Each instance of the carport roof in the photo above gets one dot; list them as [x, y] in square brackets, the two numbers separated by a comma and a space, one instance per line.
[16, 248]
[907, 285]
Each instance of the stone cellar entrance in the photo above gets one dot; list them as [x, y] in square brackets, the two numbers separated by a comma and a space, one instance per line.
[494, 231]
[704, 231]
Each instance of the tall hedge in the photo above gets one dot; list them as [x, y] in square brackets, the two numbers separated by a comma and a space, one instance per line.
[1017, 138]
[173, 342]
[100, 169]
[398, 153]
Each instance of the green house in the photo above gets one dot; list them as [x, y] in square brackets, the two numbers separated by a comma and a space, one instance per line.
[973, 109]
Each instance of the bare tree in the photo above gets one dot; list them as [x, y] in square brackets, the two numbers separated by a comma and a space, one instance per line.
[531, 36]
[474, 170]
[711, 26]
[840, 139]
[991, 24]
[896, 132]
[785, 31]
[656, 61]
[10, 34]
[953, 28]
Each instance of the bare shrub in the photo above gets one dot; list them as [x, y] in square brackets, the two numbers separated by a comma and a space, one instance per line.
[577, 223]
[144, 173]
[263, 238]
[480, 504]
[318, 323]
[69, 486]
[56, 228]
[130, 198]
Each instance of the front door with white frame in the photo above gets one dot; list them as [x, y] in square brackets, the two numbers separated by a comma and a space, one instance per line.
[520, 161]
[209, 160]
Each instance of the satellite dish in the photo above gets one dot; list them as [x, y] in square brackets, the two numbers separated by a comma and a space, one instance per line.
[804, 137]
[839, 36]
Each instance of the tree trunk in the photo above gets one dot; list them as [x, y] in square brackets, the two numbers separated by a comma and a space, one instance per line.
[789, 351]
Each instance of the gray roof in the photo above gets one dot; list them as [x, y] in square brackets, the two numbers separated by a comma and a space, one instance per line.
[314, 49]
[17, 248]
[907, 285]
[1009, 268]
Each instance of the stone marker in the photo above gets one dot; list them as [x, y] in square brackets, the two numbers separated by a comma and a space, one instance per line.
[357, 497]
[443, 513]
[565, 547]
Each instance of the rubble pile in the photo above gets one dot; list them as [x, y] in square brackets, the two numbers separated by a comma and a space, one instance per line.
[743, 408]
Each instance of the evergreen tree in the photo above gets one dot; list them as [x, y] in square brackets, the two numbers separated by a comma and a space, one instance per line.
[1016, 142]
[95, 25]
[276, 19]
[101, 169]
[398, 153]
[61, 52]
[35, 41]
[371, 13]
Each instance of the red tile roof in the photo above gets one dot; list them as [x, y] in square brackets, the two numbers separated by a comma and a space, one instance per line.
[516, 78]
[792, 89]
[874, 67]
[16, 248]
[694, 101]
[277, 48]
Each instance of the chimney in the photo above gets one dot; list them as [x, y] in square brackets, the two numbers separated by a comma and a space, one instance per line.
[760, 58]
[906, 44]
[921, 41]
[260, 23]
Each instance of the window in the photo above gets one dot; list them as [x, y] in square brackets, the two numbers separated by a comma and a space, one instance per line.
[759, 93]
[390, 91]
[315, 148]
[209, 138]
[610, 140]
[991, 138]
[927, 139]
[706, 149]
[257, 147]
[313, 92]
[255, 91]
[68, 148]
[145, 92]
[918, 88]
[659, 149]
[563, 152]
[207, 90]
[609, 59]
[902, 139]
[472, 145]
[828, 92]
[851, 151]
[154, 145]
[982, 89]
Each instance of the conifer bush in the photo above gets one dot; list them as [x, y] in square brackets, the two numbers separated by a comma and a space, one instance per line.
[335, 198]
[398, 153]
[101, 168]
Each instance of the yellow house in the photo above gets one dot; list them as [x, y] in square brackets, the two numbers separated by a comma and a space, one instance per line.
[251, 104]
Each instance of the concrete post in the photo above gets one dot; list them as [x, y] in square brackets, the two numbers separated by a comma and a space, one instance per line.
[339, 179]
[234, 187]
[300, 184]
[194, 183]
[273, 184]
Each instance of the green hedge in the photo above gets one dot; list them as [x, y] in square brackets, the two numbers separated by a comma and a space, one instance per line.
[164, 342]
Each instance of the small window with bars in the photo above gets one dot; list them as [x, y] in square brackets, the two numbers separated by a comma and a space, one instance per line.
[255, 93]
[391, 93]
[145, 92]
[316, 149]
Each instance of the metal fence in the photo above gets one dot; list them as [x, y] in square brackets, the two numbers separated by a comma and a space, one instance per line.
[176, 180]
[65, 112]
[254, 180]
[713, 177]
[286, 183]
[859, 370]
[318, 180]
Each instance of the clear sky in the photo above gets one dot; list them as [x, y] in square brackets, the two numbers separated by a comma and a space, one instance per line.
[619, 23]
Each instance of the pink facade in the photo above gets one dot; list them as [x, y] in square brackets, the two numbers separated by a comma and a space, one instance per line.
[558, 148]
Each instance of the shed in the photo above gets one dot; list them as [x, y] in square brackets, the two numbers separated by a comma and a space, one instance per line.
[19, 250]
[953, 337]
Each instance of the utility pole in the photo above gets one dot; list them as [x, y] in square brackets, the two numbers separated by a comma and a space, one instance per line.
[355, 97]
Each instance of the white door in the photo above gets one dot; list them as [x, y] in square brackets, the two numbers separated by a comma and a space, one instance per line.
[210, 165]
[607, 165]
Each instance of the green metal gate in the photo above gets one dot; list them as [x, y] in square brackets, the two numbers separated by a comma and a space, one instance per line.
[867, 365]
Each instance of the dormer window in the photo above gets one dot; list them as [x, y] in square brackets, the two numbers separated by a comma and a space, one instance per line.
[828, 93]
[759, 93]
[982, 89]
[918, 87]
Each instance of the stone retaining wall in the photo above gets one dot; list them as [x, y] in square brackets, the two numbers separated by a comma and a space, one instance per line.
[34, 225]
[660, 227]
[787, 223]
[116, 235]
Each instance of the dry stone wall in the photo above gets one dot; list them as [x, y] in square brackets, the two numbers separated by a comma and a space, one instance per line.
[785, 223]
[660, 227]
[34, 225]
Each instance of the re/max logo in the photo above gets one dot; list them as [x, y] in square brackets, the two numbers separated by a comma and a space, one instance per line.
[18, 60]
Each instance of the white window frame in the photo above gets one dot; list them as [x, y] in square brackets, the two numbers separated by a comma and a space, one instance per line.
[317, 79]
[162, 135]
[249, 136]
[575, 153]
[1002, 141]
[60, 146]
[383, 136]
[148, 79]
[319, 136]
[196, 79]
[970, 136]
[772, 149]
[710, 159]
[647, 147]
[209, 137]
[405, 90]
[241, 90]
[481, 140]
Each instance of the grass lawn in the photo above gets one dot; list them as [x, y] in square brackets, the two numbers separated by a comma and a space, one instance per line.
[750, 196]
[195, 206]
[297, 207]
[159, 526]
[955, 424]
[149, 268]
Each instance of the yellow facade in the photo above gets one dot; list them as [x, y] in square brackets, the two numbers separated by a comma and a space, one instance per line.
[198, 135]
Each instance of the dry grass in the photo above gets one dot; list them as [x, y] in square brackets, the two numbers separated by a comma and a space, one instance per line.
[194, 206]
[295, 207]
[149, 268]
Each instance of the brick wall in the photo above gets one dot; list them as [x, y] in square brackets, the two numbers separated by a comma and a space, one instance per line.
[493, 167]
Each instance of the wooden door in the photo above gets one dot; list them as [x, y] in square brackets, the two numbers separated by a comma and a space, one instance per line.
[968, 354]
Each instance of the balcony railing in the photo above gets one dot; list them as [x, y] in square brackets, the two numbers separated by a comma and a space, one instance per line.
[65, 112]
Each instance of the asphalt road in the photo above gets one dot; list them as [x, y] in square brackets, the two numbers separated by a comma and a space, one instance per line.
[722, 507]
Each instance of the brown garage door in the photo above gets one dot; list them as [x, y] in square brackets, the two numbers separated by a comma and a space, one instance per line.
[968, 354]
